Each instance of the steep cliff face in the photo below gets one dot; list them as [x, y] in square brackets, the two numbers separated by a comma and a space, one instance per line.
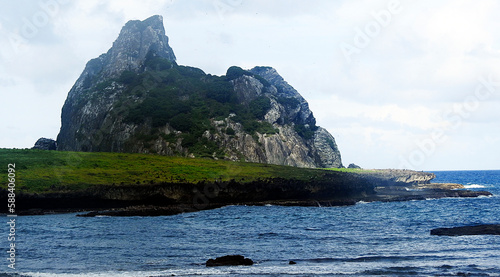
[91, 98]
[135, 98]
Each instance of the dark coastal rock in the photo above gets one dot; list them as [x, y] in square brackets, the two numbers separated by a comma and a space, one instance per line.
[292, 262]
[143, 211]
[31, 212]
[484, 229]
[229, 260]
[45, 144]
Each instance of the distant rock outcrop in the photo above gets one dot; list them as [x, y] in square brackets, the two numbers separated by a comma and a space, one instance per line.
[45, 144]
[229, 260]
[135, 98]
[354, 166]
[402, 177]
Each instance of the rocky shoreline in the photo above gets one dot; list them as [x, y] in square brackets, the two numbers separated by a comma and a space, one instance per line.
[383, 195]
[332, 189]
[436, 191]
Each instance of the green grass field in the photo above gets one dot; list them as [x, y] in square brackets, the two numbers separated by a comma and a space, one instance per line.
[39, 171]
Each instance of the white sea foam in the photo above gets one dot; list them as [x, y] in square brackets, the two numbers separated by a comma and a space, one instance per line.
[474, 186]
[362, 202]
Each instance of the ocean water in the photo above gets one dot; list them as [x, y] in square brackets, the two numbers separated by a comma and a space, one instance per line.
[368, 239]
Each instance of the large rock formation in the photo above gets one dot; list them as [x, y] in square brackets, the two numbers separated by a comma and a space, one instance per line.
[135, 98]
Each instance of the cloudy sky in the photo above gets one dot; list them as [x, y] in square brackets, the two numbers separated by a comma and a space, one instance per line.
[400, 84]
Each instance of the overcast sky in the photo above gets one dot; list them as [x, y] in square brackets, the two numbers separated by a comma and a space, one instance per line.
[399, 84]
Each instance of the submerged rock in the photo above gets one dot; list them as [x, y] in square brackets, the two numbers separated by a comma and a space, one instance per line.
[484, 229]
[229, 260]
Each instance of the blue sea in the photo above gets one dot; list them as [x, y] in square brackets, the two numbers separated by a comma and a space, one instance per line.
[367, 239]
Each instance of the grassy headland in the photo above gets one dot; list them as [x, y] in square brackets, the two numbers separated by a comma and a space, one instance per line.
[40, 171]
[146, 184]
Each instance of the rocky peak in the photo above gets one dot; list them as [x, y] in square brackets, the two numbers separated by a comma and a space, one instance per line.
[285, 90]
[137, 39]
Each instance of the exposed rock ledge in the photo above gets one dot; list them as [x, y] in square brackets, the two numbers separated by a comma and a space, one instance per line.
[392, 194]
[441, 186]
[484, 229]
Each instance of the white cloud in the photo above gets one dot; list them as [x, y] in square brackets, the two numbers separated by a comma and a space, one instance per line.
[420, 117]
